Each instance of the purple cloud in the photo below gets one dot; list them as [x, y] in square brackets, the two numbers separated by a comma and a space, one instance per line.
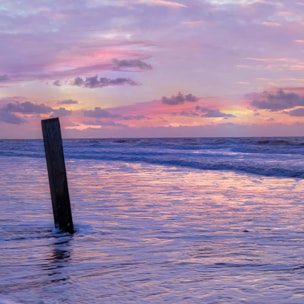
[68, 102]
[105, 114]
[187, 113]
[131, 63]
[215, 113]
[134, 117]
[205, 112]
[95, 82]
[4, 78]
[27, 108]
[99, 113]
[103, 123]
[11, 118]
[179, 99]
[297, 112]
[61, 112]
[277, 101]
[9, 111]
[57, 83]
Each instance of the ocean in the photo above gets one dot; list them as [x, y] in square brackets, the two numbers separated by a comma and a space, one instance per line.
[170, 220]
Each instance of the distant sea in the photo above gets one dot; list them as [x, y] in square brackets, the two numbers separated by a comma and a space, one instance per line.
[263, 156]
[170, 220]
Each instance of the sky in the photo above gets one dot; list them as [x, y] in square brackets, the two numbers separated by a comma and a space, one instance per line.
[152, 68]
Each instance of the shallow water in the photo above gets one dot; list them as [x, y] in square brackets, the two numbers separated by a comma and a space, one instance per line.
[150, 234]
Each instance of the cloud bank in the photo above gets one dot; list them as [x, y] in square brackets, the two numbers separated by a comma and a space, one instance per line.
[277, 101]
[16, 113]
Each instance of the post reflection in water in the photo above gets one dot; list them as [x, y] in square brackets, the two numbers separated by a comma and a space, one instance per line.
[58, 259]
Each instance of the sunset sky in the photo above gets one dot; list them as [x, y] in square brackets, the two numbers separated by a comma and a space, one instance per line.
[152, 68]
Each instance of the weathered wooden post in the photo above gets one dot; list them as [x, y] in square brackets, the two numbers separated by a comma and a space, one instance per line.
[57, 174]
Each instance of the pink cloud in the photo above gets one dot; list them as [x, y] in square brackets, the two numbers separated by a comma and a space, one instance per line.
[155, 113]
[163, 3]
[164, 45]
[196, 23]
[169, 3]
[268, 23]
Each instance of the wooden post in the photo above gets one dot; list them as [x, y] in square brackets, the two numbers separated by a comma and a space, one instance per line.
[57, 174]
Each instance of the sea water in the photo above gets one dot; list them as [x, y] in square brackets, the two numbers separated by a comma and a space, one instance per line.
[193, 220]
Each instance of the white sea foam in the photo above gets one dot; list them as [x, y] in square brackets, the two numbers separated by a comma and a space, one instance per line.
[283, 157]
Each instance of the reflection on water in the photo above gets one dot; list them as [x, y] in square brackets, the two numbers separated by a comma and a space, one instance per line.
[152, 234]
[59, 257]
